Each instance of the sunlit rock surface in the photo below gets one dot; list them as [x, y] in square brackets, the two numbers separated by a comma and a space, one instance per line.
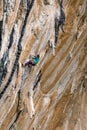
[53, 94]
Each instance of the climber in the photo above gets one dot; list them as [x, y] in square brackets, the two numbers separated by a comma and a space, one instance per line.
[34, 60]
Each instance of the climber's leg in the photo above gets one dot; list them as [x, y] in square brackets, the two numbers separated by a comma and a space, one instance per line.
[31, 62]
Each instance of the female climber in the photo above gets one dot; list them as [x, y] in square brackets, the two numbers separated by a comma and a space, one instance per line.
[33, 61]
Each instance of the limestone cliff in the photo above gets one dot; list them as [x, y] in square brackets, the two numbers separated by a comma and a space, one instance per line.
[53, 94]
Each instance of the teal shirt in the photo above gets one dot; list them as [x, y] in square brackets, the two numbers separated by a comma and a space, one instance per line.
[36, 59]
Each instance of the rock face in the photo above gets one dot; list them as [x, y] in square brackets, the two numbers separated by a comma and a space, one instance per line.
[53, 94]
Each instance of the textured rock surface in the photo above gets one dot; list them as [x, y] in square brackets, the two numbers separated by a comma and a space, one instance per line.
[54, 91]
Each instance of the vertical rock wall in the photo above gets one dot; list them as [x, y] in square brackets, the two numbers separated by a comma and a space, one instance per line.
[53, 94]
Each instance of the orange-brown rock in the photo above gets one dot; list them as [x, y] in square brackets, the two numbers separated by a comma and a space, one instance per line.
[53, 94]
